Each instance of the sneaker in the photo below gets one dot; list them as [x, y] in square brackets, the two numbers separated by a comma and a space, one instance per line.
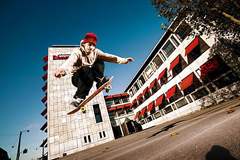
[101, 81]
[76, 102]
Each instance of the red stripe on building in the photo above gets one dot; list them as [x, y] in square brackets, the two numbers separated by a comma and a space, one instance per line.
[137, 114]
[44, 112]
[44, 77]
[112, 109]
[45, 59]
[152, 84]
[128, 105]
[45, 67]
[191, 46]
[139, 96]
[186, 82]
[209, 66]
[44, 99]
[108, 97]
[163, 73]
[121, 106]
[159, 100]
[171, 92]
[124, 94]
[44, 126]
[142, 111]
[116, 95]
[150, 106]
[44, 88]
[144, 91]
[174, 63]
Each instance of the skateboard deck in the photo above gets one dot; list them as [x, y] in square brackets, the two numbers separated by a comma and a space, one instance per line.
[81, 105]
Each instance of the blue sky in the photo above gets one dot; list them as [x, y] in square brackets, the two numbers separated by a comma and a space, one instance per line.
[127, 28]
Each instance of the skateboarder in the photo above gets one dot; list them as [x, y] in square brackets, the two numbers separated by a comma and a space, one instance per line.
[87, 65]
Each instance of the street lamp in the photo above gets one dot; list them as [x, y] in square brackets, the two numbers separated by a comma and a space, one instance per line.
[19, 143]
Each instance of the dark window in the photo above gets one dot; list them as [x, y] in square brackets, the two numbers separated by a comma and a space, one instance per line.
[179, 67]
[157, 62]
[136, 86]
[97, 113]
[175, 41]
[198, 50]
[200, 93]
[183, 31]
[226, 80]
[104, 135]
[168, 109]
[211, 88]
[162, 56]
[142, 79]
[168, 48]
[196, 84]
[85, 139]
[181, 103]
[89, 139]
[100, 134]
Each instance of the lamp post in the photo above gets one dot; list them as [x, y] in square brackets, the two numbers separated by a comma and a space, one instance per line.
[19, 143]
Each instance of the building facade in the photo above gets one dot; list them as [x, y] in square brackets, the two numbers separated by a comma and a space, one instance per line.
[179, 77]
[121, 115]
[68, 134]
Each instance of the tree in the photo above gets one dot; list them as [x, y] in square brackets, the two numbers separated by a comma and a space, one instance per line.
[218, 17]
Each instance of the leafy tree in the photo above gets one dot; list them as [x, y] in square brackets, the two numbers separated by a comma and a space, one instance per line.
[218, 17]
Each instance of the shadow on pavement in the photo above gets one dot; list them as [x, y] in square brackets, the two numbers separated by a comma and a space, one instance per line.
[219, 153]
[165, 128]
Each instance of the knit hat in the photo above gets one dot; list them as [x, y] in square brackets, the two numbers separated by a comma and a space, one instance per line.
[90, 37]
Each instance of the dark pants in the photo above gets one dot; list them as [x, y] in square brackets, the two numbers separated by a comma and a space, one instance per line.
[84, 77]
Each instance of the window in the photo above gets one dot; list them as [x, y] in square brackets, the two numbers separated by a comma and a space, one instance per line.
[97, 113]
[226, 80]
[211, 88]
[195, 49]
[179, 67]
[181, 103]
[142, 80]
[168, 109]
[87, 139]
[102, 134]
[200, 93]
[168, 48]
[191, 88]
[175, 41]
[149, 71]
[162, 56]
[157, 62]
[213, 69]
[109, 103]
[136, 86]
[183, 31]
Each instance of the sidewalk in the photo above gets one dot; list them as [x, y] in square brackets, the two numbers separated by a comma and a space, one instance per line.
[198, 133]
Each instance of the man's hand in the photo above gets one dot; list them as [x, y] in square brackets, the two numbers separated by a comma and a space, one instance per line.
[60, 73]
[129, 59]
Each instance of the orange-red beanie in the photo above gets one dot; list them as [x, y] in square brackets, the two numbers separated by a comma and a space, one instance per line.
[90, 37]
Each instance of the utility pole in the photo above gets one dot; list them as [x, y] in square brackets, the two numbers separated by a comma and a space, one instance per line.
[19, 143]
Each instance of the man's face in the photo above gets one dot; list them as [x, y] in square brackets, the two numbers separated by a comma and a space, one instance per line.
[89, 47]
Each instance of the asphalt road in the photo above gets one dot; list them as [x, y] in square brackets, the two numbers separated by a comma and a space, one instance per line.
[211, 134]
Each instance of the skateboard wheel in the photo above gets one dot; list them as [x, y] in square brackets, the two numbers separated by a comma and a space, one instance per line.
[83, 110]
[108, 87]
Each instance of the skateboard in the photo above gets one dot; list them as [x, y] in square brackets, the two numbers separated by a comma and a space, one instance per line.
[105, 86]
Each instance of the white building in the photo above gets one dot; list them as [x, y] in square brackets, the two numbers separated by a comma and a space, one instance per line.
[178, 78]
[68, 134]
